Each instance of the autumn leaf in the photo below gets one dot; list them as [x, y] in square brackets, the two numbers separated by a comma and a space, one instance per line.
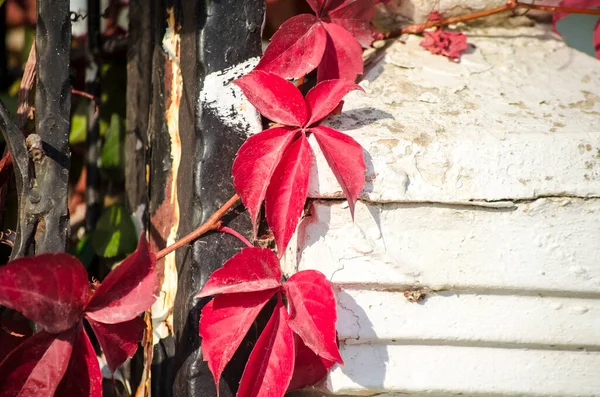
[442, 42]
[53, 291]
[330, 41]
[274, 165]
[583, 4]
[309, 320]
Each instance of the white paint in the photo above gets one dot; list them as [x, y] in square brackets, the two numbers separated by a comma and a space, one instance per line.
[463, 319]
[489, 128]
[483, 186]
[220, 96]
[548, 246]
[438, 370]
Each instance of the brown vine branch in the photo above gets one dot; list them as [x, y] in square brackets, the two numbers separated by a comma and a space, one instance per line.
[88, 96]
[510, 5]
[213, 223]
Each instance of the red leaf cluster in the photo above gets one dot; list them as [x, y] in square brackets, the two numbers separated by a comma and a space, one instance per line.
[298, 345]
[330, 40]
[557, 16]
[53, 291]
[273, 166]
[448, 44]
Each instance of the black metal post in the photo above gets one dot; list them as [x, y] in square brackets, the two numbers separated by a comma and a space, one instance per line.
[228, 33]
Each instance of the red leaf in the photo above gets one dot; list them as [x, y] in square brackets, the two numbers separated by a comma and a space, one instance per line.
[309, 369]
[128, 289]
[325, 97]
[296, 48]
[287, 192]
[597, 39]
[36, 367]
[345, 157]
[224, 322]
[448, 44]
[343, 55]
[355, 16]
[118, 341]
[253, 269]
[83, 377]
[313, 312]
[50, 289]
[584, 4]
[254, 165]
[271, 363]
[275, 98]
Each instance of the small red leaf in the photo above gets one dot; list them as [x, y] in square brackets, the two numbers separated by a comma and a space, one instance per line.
[83, 377]
[271, 363]
[309, 368]
[128, 289]
[50, 289]
[254, 165]
[275, 98]
[253, 269]
[118, 341]
[448, 44]
[296, 48]
[224, 322]
[343, 55]
[355, 16]
[36, 367]
[313, 312]
[345, 157]
[325, 97]
[287, 192]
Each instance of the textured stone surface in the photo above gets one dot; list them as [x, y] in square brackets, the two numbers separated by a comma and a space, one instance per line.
[517, 118]
[418, 10]
[483, 192]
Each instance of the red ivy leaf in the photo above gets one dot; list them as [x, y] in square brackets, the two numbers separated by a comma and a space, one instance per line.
[118, 341]
[309, 368]
[275, 98]
[345, 157]
[271, 363]
[360, 27]
[296, 48]
[50, 289]
[128, 290]
[448, 44]
[313, 312]
[287, 192]
[323, 98]
[346, 21]
[584, 4]
[36, 367]
[253, 269]
[83, 377]
[343, 55]
[224, 322]
[254, 165]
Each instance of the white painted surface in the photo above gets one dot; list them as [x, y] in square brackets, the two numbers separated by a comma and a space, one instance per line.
[226, 100]
[484, 188]
[472, 371]
[517, 118]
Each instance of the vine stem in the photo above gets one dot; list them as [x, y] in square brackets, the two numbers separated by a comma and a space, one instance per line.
[228, 230]
[212, 223]
[510, 5]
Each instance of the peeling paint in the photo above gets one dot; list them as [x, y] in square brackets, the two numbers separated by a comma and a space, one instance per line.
[226, 100]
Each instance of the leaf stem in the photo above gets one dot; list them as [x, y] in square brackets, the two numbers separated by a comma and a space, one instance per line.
[212, 223]
[228, 230]
[510, 5]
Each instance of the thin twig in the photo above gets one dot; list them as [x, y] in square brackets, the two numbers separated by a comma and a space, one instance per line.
[88, 96]
[228, 230]
[510, 5]
[27, 82]
[213, 223]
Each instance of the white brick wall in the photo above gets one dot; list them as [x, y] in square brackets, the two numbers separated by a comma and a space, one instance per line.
[484, 190]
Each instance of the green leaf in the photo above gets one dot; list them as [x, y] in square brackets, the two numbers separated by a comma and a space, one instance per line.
[112, 155]
[84, 251]
[79, 124]
[115, 233]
